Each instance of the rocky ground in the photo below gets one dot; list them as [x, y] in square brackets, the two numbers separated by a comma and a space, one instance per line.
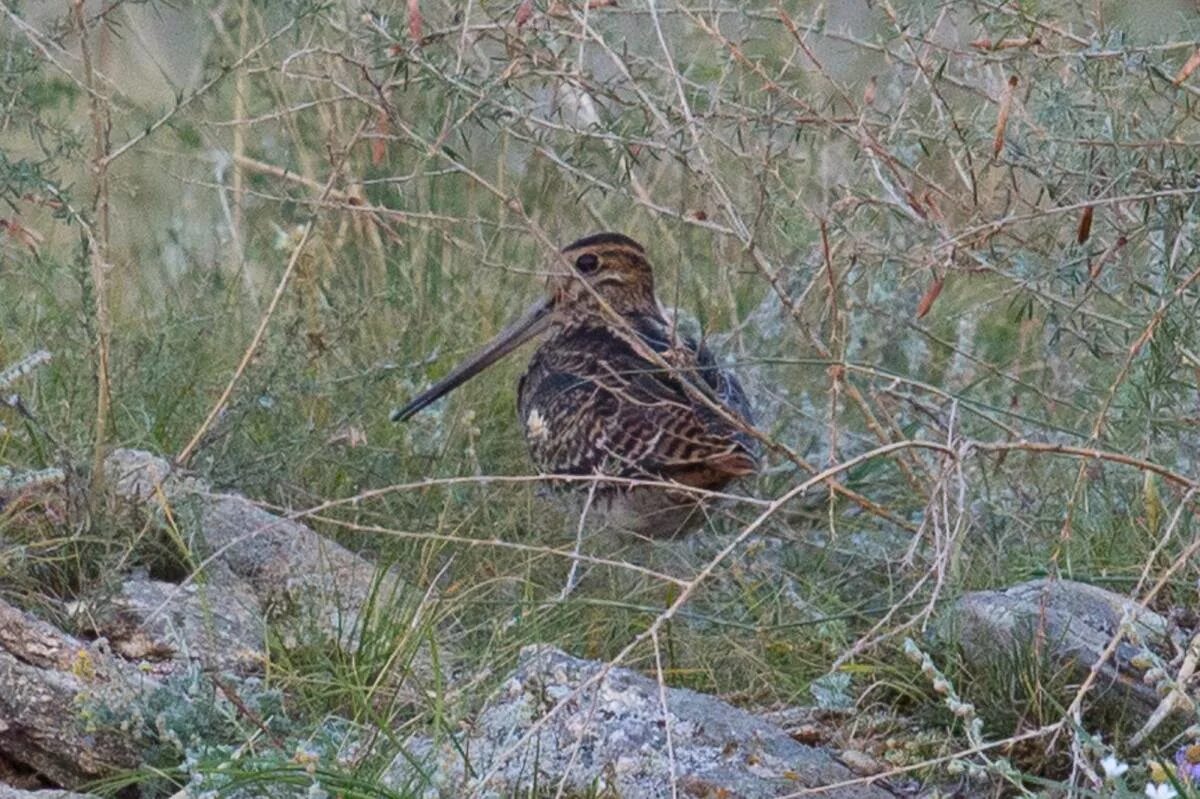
[73, 707]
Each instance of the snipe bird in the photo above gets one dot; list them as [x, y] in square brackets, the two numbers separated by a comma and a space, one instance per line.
[614, 390]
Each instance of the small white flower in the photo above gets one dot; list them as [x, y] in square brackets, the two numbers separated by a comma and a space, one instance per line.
[1160, 791]
[1113, 768]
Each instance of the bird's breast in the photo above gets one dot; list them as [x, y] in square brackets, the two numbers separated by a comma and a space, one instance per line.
[591, 402]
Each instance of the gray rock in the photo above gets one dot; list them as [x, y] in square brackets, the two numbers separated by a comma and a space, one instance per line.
[1070, 624]
[7, 792]
[561, 722]
[306, 583]
[217, 622]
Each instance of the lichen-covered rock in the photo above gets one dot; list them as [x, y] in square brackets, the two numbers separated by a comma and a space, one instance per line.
[305, 582]
[1069, 624]
[559, 721]
[217, 622]
[7, 792]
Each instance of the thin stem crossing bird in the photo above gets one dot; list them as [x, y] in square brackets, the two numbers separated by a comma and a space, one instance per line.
[614, 390]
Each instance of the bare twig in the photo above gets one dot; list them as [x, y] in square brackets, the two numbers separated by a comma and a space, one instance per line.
[98, 250]
[186, 453]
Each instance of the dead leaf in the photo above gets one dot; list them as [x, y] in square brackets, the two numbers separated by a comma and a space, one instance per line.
[1085, 225]
[48, 202]
[1098, 265]
[1002, 117]
[1152, 502]
[379, 143]
[524, 12]
[1188, 68]
[934, 210]
[27, 236]
[931, 294]
[869, 91]
[414, 20]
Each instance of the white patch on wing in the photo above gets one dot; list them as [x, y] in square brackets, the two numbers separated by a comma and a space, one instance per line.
[535, 426]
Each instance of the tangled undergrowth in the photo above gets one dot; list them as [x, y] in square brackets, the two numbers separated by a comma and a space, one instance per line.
[951, 249]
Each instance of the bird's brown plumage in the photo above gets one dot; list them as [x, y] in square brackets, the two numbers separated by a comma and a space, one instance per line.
[614, 390]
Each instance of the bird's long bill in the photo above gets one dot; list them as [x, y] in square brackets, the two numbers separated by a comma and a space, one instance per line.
[533, 322]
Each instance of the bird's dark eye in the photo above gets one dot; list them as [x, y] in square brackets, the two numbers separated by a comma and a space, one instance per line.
[587, 263]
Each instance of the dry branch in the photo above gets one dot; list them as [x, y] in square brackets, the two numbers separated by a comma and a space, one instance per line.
[46, 678]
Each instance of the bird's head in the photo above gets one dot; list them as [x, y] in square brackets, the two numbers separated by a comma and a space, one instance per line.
[602, 277]
[604, 274]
